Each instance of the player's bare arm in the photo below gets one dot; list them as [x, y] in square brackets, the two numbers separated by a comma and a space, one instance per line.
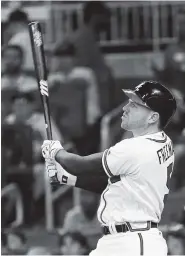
[81, 171]
[80, 165]
[88, 169]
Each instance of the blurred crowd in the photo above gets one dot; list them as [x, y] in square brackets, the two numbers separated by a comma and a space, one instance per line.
[83, 90]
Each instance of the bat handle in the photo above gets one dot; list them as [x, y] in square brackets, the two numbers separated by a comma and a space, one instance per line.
[54, 180]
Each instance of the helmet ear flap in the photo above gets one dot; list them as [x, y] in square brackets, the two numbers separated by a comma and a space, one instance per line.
[161, 106]
[155, 103]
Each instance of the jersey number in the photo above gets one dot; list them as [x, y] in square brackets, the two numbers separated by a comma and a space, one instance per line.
[169, 172]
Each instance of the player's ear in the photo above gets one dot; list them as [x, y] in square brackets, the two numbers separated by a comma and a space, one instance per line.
[154, 117]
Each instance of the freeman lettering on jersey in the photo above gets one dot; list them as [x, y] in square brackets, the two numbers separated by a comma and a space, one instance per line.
[165, 152]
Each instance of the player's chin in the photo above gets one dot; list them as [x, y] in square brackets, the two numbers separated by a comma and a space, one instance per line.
[124, 125]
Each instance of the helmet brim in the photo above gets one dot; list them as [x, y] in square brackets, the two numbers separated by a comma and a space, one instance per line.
[134, 97]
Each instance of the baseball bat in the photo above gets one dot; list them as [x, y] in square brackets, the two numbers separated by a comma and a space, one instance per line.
[37, 45]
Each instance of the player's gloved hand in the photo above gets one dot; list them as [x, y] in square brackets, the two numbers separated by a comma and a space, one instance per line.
[52, 168]
[50, 148]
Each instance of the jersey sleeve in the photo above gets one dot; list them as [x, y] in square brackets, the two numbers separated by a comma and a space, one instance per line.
[118, 160]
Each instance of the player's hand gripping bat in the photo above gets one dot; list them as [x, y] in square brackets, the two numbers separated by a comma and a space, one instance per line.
[41, 75]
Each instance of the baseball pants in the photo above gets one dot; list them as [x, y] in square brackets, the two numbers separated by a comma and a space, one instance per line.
[150, 242]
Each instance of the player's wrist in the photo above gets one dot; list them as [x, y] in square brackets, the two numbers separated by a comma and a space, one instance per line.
[65, 177]
[55, 148]
[54, 168]
[50, 148]
[58, 154]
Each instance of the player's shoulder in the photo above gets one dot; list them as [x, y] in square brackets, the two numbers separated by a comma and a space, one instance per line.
[152, 143]
[123, 146]
[130, 142]
[123, 143]
[137, 144]
[156, 139]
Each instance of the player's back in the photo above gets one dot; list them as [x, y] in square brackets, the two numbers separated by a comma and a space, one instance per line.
[154, 158]
[139, 170]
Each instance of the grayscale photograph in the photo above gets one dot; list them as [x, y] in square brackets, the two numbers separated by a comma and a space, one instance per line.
[93, 128]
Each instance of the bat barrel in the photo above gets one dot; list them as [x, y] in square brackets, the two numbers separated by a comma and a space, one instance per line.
[40, 70]
[37, 45]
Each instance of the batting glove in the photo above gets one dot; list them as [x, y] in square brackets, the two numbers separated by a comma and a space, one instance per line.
[50, 148]
[52, 168]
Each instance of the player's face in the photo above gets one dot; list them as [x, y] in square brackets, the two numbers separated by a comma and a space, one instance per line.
[135, 116]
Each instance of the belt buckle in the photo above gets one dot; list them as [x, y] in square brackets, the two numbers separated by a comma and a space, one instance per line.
[139, 229]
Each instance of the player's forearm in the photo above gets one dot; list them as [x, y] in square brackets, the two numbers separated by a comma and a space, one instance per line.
[80, 165]
[96, 184]
[73, 170]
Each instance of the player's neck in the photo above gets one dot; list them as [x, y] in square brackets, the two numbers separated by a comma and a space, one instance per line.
[145, 131]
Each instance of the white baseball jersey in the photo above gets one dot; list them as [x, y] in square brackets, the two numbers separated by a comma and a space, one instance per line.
[139, 170]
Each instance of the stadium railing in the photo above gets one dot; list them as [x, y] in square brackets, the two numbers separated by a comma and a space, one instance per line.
[158, 22]
[110, 131]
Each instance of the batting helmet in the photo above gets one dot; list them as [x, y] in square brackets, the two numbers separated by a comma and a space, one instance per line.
[155, 96]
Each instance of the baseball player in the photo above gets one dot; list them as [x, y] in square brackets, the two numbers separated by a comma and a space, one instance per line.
[133, 175]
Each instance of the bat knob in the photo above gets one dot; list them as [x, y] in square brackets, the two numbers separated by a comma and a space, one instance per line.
[54, 180]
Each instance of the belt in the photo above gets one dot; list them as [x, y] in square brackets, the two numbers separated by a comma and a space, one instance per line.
[127, 227]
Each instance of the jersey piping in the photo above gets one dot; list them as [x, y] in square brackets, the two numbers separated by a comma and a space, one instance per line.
[103, 196]
[105, 165]
[159, 141]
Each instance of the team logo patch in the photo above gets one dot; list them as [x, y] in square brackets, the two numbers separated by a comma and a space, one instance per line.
[64, 179]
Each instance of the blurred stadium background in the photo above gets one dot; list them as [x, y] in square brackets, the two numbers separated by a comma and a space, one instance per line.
[135, 41]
